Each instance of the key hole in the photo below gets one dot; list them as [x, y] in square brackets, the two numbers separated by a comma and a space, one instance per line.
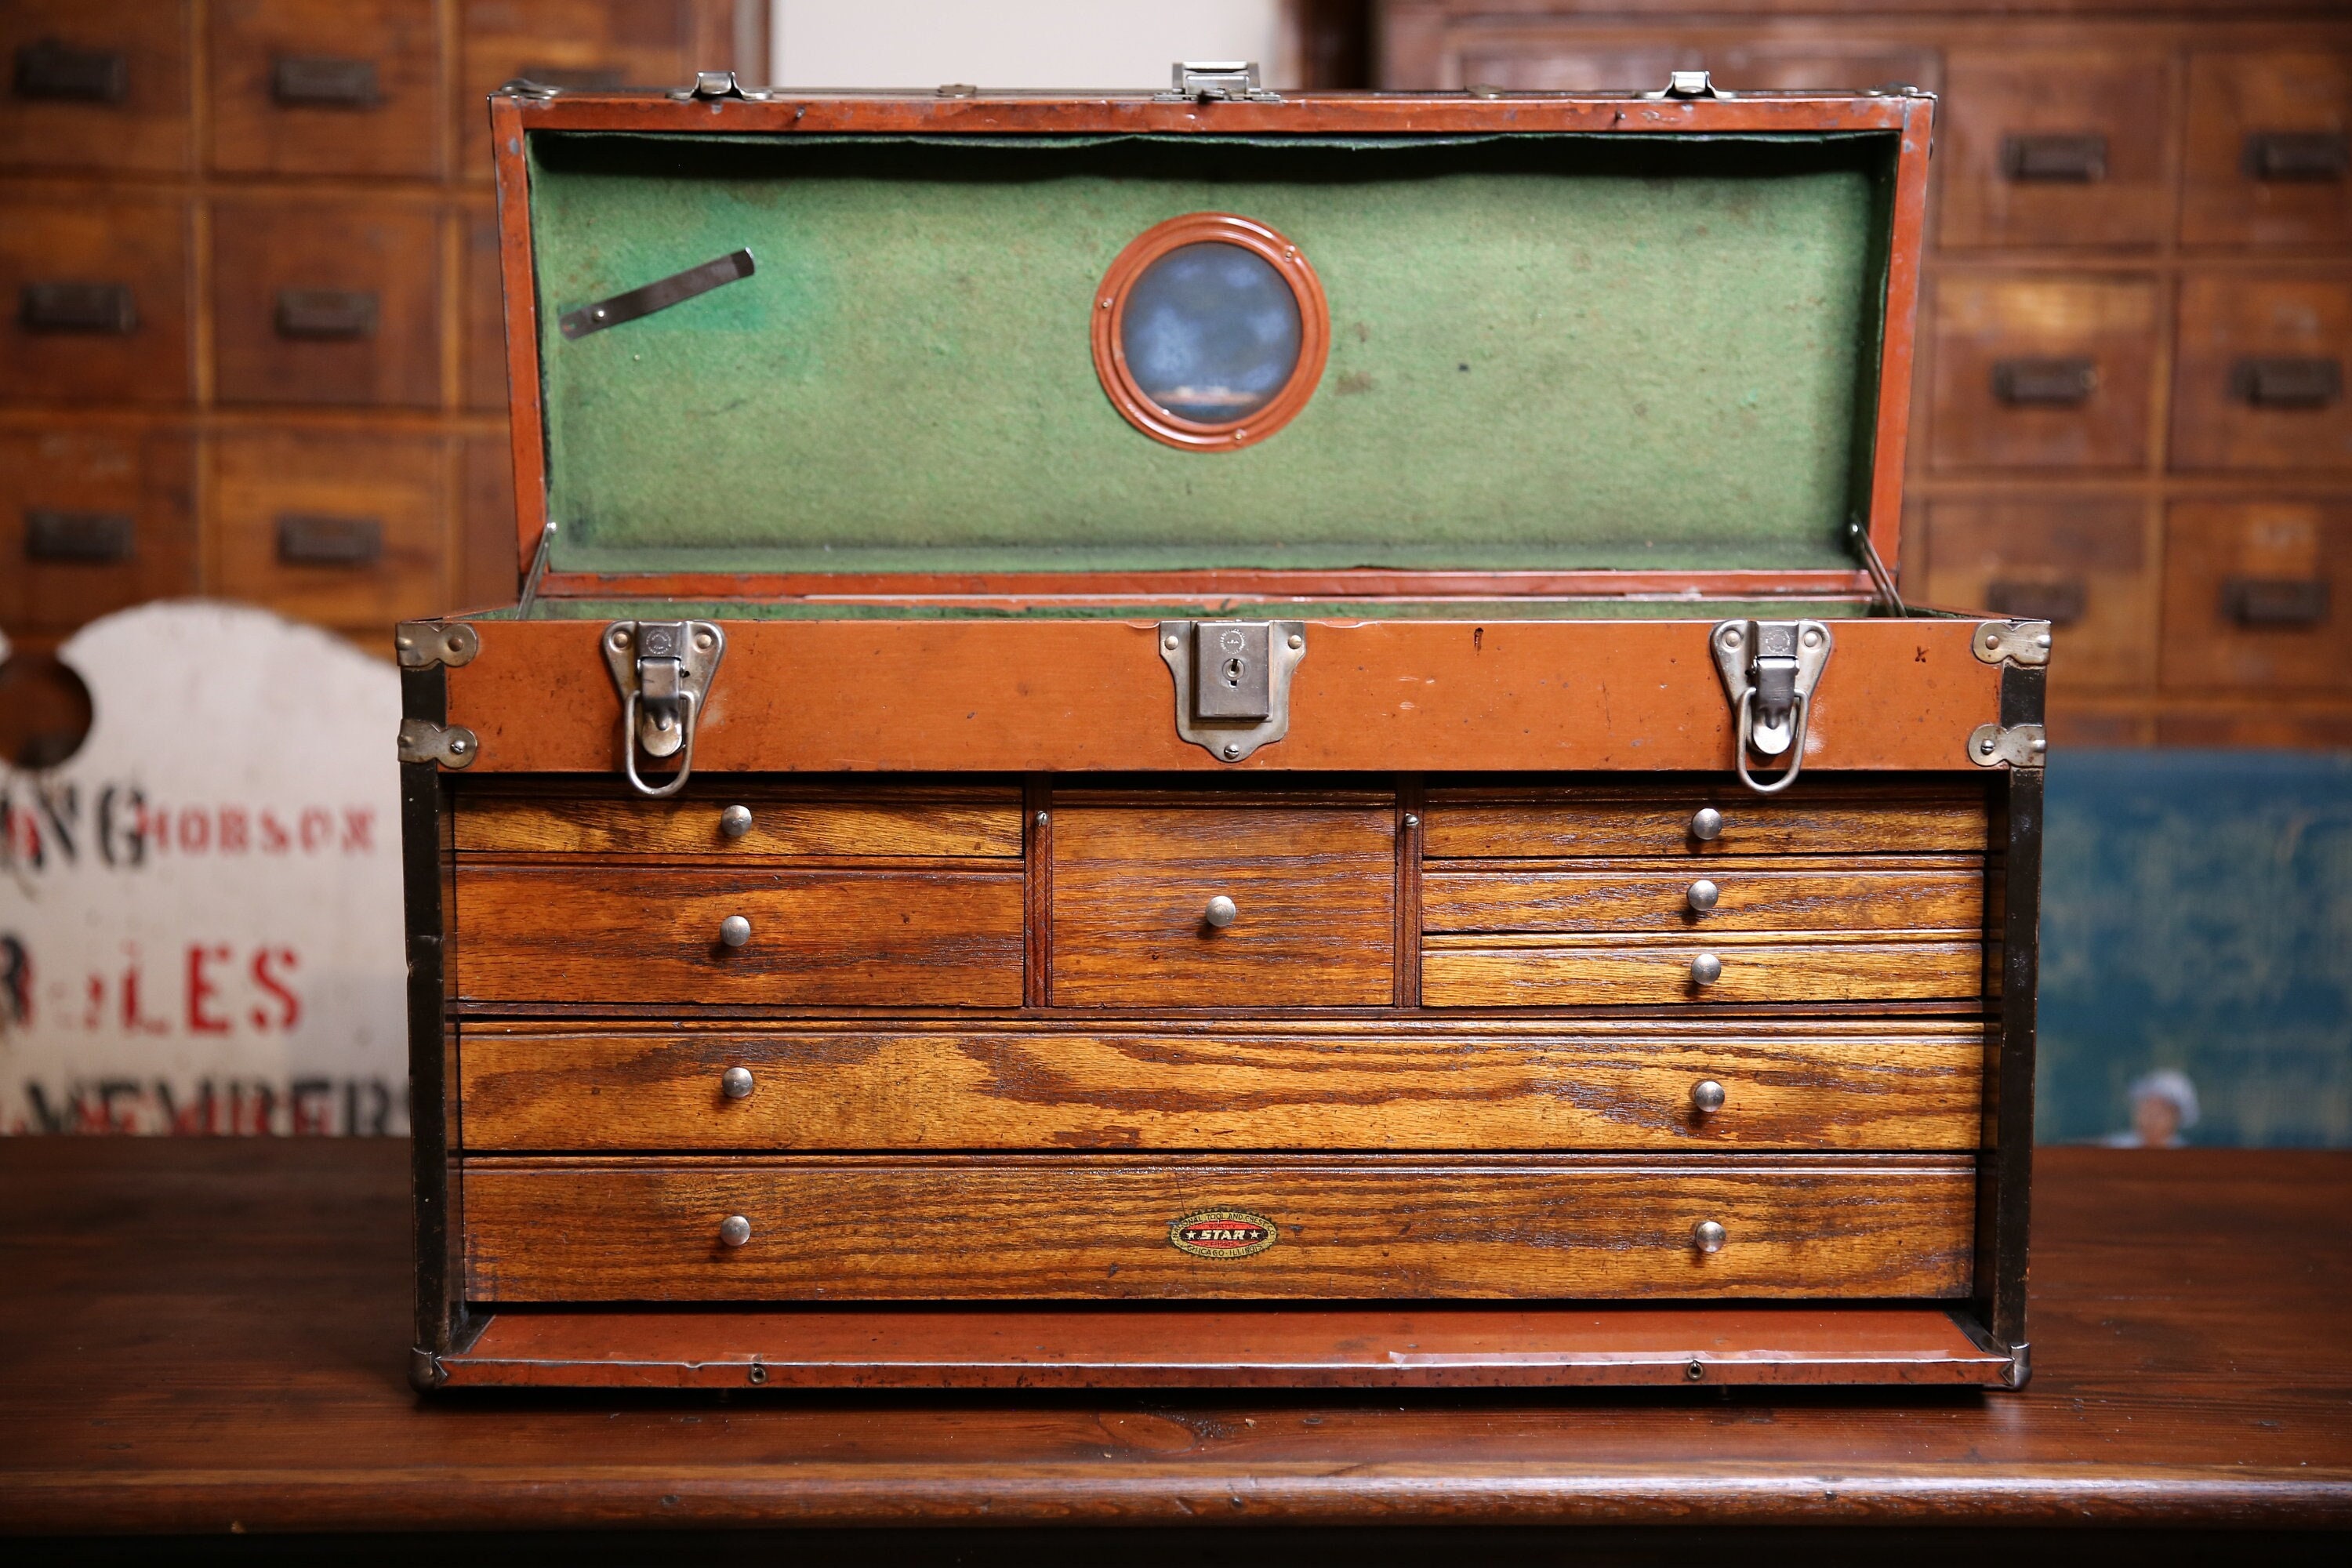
[1234, 673]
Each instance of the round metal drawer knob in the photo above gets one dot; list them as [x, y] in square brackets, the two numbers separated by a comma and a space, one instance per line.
[1705, 969]
[1705, 1094]
[737, 1083]
[1706, 826]
[1703, 895]
[1220, 912]
[734, 1230]
[734, 931]
[1707, 1237]
[735, 821]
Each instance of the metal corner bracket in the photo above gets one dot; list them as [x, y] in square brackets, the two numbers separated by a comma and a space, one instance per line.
[422, 741]
[2012, 642]
[2021, 1365]
[664, 670]
[421, 645]
[1232, 681]
[426, 1371]
[2019, 745]
[1769, 670]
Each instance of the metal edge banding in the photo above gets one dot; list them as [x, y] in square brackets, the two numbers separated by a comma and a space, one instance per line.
[2005, 1181]
[424, 698]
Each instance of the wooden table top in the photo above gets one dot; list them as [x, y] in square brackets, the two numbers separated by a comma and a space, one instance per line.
[196, 1335]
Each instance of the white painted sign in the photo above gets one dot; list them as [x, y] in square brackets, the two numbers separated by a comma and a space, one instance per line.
[200, 912]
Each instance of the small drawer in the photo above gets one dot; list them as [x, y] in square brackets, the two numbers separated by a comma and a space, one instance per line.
[2258, 596]
[94, 300]
[1310, 893]
[582, 46]
[1729, 966]
[90, 522]
[326, 302]
[2043, 373]
[2270, 149]
[298, 87]
[976, 1229]
[95, 87]
[346, 531]
[808, 937]
[880, 821]
[1800, 893]
[1814, 817]
[2261, 376]
[485, 313]
[2084, 565]
[2051, 149]
[1907, 1084]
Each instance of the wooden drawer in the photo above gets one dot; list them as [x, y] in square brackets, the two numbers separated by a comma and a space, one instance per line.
[326, 302]
[1241, 1085]
[584, 46]
[818, 938]
[878, 820]
[347, 531]
[1788, 893]
[94, 300]
[1816, 816]
[92, 520]
[2268, 151]
[1314, 886]
[2043, 373]
[1540, 971]
[95, 87]
[2055, 148]
[304, 87]
[2258, 596]
[2081, 563]
[2262, 376]
[1099, 1226]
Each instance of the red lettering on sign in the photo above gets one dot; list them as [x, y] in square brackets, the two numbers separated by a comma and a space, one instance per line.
[274, 838]
[234, 830]
[290, 1006]
[202, 990]
[318, 829]
[195, 831]
[359, 830]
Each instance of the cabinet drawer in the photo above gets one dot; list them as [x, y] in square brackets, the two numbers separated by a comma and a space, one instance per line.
[1566, 972]
[326, 302]
[1816, 816]
[878, 820]
[95, 87]
[1313, 888]
[2258, 596]
[2268, 156]
[1788, 894]
[2081, 564]
[2043, 373]
[301, 88]
[2261, 378]
[92, 520]
[346, 531]
[1007, 1227]
[2056, 149]
[850, 938]
[1245, 1086]
[582, 46]
[94, 300]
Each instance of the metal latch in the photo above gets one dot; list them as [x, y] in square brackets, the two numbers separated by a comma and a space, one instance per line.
[664, 670]
[710, 87]
[1688, 84]
[1769, 670]
[1232, 681]
[1216, 81]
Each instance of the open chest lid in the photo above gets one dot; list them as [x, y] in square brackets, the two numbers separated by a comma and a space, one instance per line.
[1031, 348]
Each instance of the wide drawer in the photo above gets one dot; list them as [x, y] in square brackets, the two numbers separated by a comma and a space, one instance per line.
[1235, 1085]
[816, 938]
[777, 822]
[1794, 893]
[1602, 971]
[1832, 816]
[1104, 1225]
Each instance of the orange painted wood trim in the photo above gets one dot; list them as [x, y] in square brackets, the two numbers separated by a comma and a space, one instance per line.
[1080, 696]
[1906, 247]
[526, 418]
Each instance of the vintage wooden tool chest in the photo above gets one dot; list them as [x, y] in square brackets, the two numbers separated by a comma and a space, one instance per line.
[1210, 738]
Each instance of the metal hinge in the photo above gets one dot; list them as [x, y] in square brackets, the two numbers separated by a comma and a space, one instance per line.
[1232, 681]
[711, 86]
[664, 670]
[2019, 745]
[1216, 81]
[2012, 642]
[1769, 670]
[421, 645]
[422, 741]
[1688, 84]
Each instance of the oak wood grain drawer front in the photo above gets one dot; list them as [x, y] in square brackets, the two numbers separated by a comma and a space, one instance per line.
[1243, 1085]
[1832, 816]
[815, 938]
[1010, 1228]
[1792, 893]
[1567, 971]
[1312, 890]
[879, 821]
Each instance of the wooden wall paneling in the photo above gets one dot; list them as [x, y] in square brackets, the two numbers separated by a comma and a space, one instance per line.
[2264, 369]
[593, 46]
[2270, 146]
[96, 87]
[484, 570]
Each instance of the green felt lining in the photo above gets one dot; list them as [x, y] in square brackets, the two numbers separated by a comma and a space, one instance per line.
[1611, 607]
[1547, 352]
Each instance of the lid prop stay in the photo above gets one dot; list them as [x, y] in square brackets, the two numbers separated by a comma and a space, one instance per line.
[659, 295]
[1882, 581]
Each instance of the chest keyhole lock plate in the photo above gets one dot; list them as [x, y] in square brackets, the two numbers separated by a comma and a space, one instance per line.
[1232, 681]
[664, 670]
[1769, 670]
